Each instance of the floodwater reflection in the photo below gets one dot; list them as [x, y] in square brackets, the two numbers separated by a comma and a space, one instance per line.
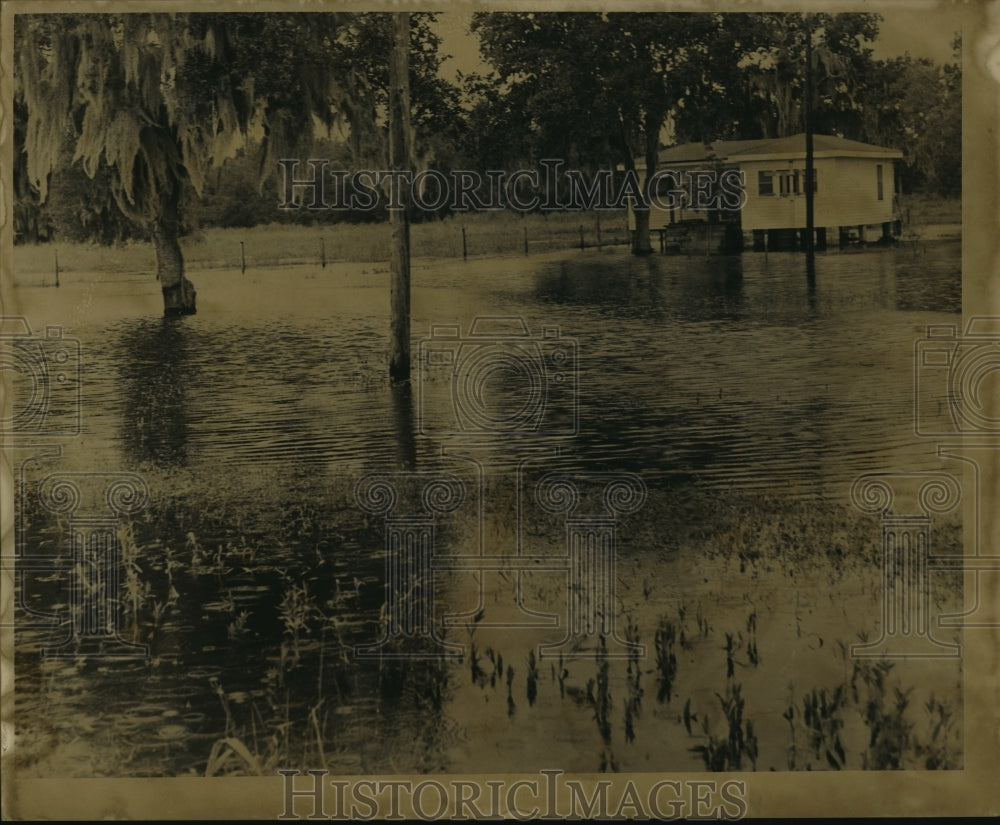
[155, 373]
[722, 382]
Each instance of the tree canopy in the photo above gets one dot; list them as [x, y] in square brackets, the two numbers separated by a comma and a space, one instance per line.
[586, 87]
[143, 107]
[158, 98]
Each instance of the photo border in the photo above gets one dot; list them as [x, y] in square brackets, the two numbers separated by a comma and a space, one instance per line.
[970, 791]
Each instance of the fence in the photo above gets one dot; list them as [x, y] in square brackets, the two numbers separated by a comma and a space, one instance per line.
[279, 245]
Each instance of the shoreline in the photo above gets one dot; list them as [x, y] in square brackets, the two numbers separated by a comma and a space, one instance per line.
[26, 276]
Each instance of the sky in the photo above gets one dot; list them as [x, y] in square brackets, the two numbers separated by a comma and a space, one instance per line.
[927, 32]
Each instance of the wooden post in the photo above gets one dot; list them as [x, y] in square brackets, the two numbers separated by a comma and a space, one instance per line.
[322, 253]
[465, 247]
[243, 258]
[399, 219]
[57, 268]
[525, 241]
[810, 170]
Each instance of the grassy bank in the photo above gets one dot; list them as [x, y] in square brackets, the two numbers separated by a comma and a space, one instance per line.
[924, 210]
[473, 234]
[503, 233]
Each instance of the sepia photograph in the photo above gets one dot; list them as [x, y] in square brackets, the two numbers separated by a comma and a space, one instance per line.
[487, 411]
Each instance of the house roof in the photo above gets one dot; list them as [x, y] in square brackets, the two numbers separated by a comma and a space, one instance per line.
[824, 146]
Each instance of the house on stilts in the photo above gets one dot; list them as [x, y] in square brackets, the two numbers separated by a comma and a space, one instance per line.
[855, 194]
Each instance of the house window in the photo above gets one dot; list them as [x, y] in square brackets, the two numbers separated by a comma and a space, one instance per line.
[765, 183]
[788, 183]
[878, 178]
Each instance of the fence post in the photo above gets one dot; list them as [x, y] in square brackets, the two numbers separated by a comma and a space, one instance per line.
[465, 248]
[57, 267]
[581, 236]
[526, 241]
[243, 258]
[322, 252]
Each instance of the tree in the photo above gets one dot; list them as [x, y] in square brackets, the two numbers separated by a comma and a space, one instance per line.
[30, 223]
[593, 86]
[841, 60]
[155, 100]
[916, 105]
[435, 111]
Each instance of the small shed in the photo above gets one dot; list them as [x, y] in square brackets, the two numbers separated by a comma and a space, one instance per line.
[854, 186]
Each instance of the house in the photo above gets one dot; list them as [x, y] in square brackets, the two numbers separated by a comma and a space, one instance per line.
[854, 186]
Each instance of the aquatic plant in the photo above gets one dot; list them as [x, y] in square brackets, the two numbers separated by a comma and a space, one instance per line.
[752, 653]
[727, 753]
[532, 678]
[666, 659]
[823, 721]
[890, 731]
[941, 750]
[224, 751]
[297, 611]
[134, 589]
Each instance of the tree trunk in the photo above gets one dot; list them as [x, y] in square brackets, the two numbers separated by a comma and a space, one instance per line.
[178, 292]
[399, 219]
[641, 244]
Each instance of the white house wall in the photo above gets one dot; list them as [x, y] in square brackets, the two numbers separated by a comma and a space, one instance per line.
[847, 194]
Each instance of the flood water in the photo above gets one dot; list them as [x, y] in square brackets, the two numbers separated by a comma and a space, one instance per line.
[252, 573]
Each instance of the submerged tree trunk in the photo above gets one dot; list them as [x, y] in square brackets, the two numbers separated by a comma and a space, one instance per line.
[641, 244]
[640, 235]
[178, 292]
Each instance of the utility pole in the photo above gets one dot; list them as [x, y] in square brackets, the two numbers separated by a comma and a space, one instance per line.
[399, 219]
[808, 124]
